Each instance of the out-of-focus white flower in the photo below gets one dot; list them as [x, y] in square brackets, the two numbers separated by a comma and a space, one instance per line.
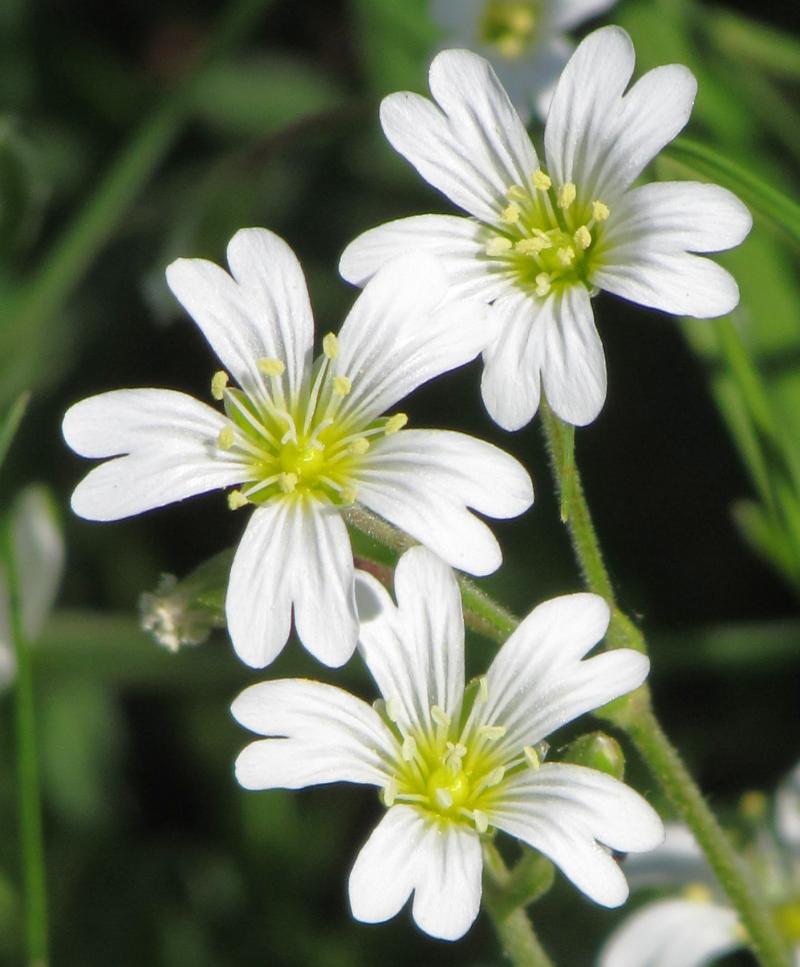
[39, 562]
[172, 617]
[525, 40]
[302, 440]
[454, 763]
[543, 238]
[698, 926]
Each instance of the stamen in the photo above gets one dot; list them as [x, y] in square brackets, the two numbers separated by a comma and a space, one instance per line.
[516, 193]
[359, 446]
[271, 367]
[510, 214]
[697, 893]
[483, 689]
[444, 798]
[583, 238]
[225, 438]
[532, 246]
[390, 792]
[495, 777]
[600, 211]
[543, 284]
[218, 384]
[393, 709]
[342, 385]
[566, 195]
[395, 423]
[481, 820]
[287, 482]
[492, 732]
[532, 756]
[348, 495]
[330, 346]
[236, 499]
[499, 245]
[409, 749]
[566, 255]
[440, 717]
[541, 180]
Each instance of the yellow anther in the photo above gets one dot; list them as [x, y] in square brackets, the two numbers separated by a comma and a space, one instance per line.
[225, 438]
[395, 423]
[516, 193]
[390, 793]
[236, 499]
[541, 180]
[510, 214]
[359, 446]
[532, 246]
[600, 211]
[348, 495]
[483, 689]
[532, 756]
[330, 346]
[511, 47]
[583, 238]
[496, 776]
[440, 717]
[444, 798]
[409, 749]
[566, 194]
[453, 763]
[753, 805]
[481, 820]
[218, 384]
[271, 367]
[492, 732]
[543, 284]
[566, 255]
[287, 482]
[499, 245]
[521, 20]
[342, 385]
[393, 709]
[697, 893]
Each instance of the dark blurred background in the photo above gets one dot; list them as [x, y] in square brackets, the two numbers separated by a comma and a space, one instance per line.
[155, 856]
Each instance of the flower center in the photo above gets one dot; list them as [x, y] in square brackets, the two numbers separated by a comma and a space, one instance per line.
[295, 447]
[548, 236]
[509, 26]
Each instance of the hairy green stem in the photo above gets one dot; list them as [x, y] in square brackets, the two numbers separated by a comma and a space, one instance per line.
[512, 925]
[73, 252]
[30, 814]
[634, 714]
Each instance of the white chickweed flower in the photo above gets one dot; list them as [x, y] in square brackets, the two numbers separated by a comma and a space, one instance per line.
[695, 925]
[454, 764]
[172, 617]
[525, 40]
[301, 440]
[545, 235]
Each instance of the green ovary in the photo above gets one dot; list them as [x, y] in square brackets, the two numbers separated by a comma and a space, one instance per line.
[509, 26]
[448, 790]
[305, 461]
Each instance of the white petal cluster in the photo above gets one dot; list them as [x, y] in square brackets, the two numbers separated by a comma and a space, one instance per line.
[697, 926]
[304, 439]
[545, 233]
[525, 40]
[453, 762]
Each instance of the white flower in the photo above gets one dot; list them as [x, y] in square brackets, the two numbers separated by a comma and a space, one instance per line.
[698, 926]
[544, 237]
[39, 563]
[454, 763]
[303, 441]
[525, 40]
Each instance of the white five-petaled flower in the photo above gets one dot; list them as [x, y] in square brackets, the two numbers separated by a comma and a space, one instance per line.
[302, 440]
[545, 235]
[454, 762]
[696, 927]
[525, 40]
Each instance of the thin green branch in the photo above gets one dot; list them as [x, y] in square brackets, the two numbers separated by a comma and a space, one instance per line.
[511, 923]
[30, 815]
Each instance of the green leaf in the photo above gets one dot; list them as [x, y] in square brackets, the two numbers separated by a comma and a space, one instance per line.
[741, 39]
[10, 423]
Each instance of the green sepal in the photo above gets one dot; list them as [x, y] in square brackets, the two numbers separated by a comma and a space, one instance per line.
[596, 750]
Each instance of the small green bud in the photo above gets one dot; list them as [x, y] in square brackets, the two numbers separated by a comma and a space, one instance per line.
[596, 750]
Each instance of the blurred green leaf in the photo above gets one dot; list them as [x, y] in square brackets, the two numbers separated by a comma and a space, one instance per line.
[396, 42]
[10, 423]
[744, 39]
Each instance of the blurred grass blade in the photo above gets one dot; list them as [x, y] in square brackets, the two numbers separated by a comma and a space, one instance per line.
[776, 52]
[757, 194]
[11, 422]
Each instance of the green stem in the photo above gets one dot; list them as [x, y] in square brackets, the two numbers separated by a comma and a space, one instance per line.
[634, 714]
[512, 925]
[30, 815]
[73, 253]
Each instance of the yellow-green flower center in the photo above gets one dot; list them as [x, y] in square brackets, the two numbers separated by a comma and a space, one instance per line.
[296, 447]
[509, 26]
[547, 236]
